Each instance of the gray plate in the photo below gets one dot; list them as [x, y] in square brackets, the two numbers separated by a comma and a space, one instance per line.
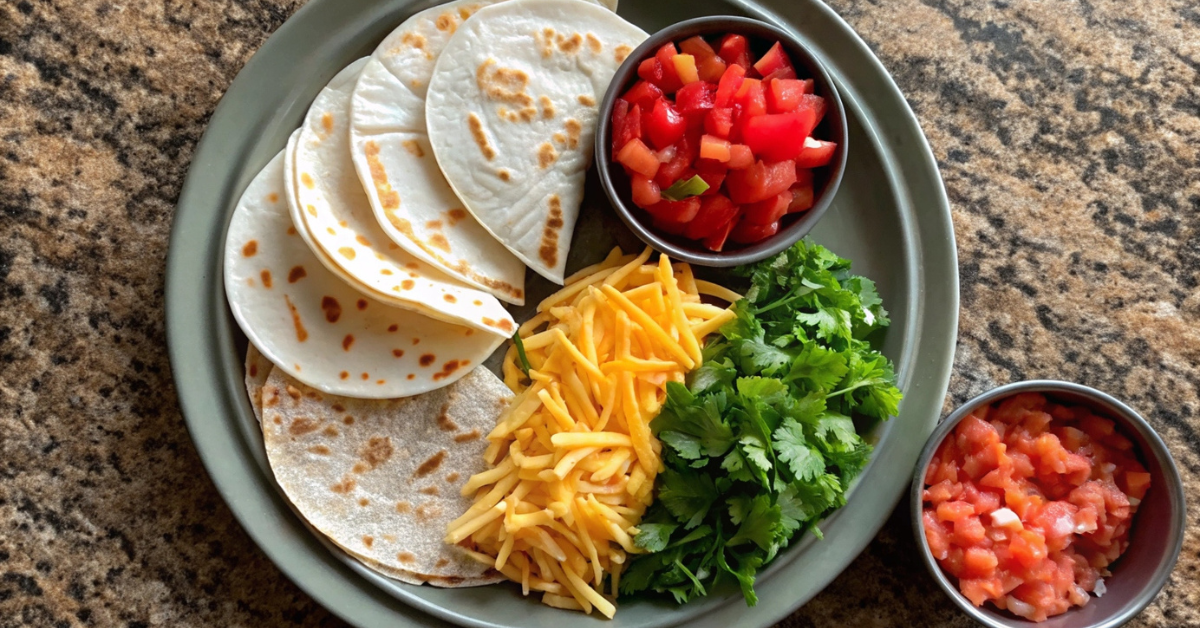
[890, 216]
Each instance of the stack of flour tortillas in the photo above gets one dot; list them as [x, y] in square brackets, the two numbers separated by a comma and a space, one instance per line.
[368, 260]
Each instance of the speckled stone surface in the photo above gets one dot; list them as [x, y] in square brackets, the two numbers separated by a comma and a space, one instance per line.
[1068, 133]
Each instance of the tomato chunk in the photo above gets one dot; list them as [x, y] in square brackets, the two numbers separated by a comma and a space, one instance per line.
[645, 191]
[730, 83]
[747, 232]
[735, 49]
[740, 157]
[676, 211]
[715, 211]
[815, 153]
[714, 148]
[774, 59]
[639, 158]
[760, 181]
[716, 240]
[685, 67]
[777, 136]
[768, 210]
[783, 95]
[695, 98]
[670, 80]
[643, 93]
[665, 125]
[719, 122]
[627, 124]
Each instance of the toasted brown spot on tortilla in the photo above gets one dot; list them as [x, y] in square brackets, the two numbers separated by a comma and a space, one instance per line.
[452, 477]
[406, 557]
[560, 138]
[430, 465]
[413, 147]
[427, 359]
[408, 284]
[399, 353]
[416, 41]
[345, 486]
[393, 327]
[438, 240]
[296, 366]
[361, 240]
[361, 304]
[301, 332]
[546, 40]
[313, 212]
[307, 180]
[388, 198]
[427, 511]
[481, 139]
[250, 281]
[253, 370]
[366, 376]
[416, 341]
[503, 325]
[477, 302]
[273, 399]
[430, 490]
[385, 271]
[347, 341]
[403, 507]
[332, 309]
[294, 392]
[456, 215]
[441, 562]
[621, 52]
[278, 420]
[469, 332]
[548, 252]
[433, 224]
[461, 266]
[349, 420]
[547, 106]
[347, 252]
[296, 274]
[570, 44]
[377, 451]
[446, 22]
[587, 101]
[594, 43]
[266, 278]
[320, 450]
[444, 422]
[314, 395]
[273, 198]
[250, 249]
[368, 540]
[291, 231]
[329, 229]
[448, 369]
[504, 85]
[504, 175]
[343, 375]
[412, 376]
[574, 130]
[303, 425]
[331, 431]
[363, 501]
[449, 298]
[467, 437]
[546, 155]
[327, 122]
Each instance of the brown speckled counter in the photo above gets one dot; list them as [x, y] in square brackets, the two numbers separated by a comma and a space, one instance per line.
[1068, 133]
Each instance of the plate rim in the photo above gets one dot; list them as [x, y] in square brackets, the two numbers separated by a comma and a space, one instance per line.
[196, 387]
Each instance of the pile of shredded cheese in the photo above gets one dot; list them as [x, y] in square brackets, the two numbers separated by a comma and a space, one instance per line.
[572, 460]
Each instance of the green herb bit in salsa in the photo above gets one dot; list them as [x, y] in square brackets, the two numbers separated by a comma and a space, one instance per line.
[761, 444]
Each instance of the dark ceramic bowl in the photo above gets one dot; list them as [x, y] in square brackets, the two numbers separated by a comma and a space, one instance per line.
[1158, 526]
[832, 128]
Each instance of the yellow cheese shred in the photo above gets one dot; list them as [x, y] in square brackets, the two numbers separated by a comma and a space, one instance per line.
[572, 460]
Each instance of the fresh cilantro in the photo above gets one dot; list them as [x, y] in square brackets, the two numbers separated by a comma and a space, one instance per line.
[682, 189]
[516, 337]
[761, 443]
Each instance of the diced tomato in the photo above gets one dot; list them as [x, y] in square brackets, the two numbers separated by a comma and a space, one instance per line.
[740, 157]
[760, 181]
[781, 73]
[980, 563]
[955, 511]
[685, 67]
[815, 153]
[636, 156]
[627, 124]
[697, 47]
[665, 125]
[728, 86]
[802, 197]
[750, 96]
[715, 211]
[747, 232]
[711, 69]
[719, 122]
[713, 173]
[715, 241]
[670, 226]
[783, 95]
[673, 170]
[708, 64]
[676, 211]
[980, 590]
[816, 105]
[735, 49]
[695, 98]
[774, 59]
[670, 80]
[643, 94]
[714, 148]
[777, 136]
[769, 210]
[937, 535]
[1137, 483]
[651, 71]
[645, 191]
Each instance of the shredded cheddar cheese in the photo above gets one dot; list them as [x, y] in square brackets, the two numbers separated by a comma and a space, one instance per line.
[572, 460]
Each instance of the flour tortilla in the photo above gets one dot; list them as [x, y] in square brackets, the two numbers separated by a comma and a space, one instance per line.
[359, 471]
[307, 321]
[258, 368]
[332, 208]
[410, 199]
[511, 112]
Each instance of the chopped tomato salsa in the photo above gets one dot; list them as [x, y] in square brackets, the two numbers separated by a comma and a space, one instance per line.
[708, 119]
[1029, 501]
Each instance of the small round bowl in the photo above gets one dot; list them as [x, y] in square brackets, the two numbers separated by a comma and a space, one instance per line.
[832, 128]
[1155, 539]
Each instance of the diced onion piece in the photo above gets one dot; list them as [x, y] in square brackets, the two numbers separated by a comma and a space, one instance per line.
[1006, 518]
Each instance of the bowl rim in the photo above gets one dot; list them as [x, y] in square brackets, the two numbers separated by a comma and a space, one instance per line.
[1136, 422]
[785, 237]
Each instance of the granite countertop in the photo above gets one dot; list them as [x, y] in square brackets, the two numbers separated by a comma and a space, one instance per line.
[1067, 132]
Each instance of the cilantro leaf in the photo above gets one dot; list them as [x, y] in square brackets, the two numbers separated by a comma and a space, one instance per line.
[805, 462]
[653, 537]
[688, 497]
[759, 526]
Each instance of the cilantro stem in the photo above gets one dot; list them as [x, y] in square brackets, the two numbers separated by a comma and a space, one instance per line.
[516, 338]
[868, 382]
[782, 302]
